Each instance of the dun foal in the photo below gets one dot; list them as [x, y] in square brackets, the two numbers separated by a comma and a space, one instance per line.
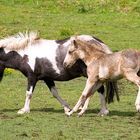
[105, 67]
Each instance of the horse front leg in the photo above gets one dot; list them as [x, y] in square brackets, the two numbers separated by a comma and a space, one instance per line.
[103, 111]
[133, 77]
[61, 101]
[84, 107]
[137, 102]
[90, 88]
[82, 99]
[96, 86]
[55, 94]
[31, 85]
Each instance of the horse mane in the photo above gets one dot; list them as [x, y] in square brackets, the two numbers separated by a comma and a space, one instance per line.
[19, 41]
[94, 46]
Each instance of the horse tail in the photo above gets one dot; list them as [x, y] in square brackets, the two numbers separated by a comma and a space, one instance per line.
[1, 71]
[111, 91]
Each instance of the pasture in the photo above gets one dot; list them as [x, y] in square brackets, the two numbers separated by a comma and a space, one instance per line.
[117, 23]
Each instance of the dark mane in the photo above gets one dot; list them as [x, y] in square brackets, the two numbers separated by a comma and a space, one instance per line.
[62, 41]
[98, 39]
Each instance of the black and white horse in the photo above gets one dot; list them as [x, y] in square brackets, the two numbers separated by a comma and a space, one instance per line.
[41, 59]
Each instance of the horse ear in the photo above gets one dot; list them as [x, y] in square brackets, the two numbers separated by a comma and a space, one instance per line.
[75, 44]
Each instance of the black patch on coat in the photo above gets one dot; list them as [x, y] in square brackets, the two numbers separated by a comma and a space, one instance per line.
[61, 42]
[13, 60]
[75, 71]
[44, 69]
[60, 56]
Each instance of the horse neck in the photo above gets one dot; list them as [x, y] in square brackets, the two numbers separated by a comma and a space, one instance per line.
[91, 56]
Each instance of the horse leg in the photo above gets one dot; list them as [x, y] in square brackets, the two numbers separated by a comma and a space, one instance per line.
[82, 99]
[103, 102]
[55, 94]
[137, 102]
[84, 108]
[90, 88]
[1, 71]
[133, 77]
[31, 85]
[104, 110]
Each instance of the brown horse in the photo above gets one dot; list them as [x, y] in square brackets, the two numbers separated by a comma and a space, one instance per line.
[102, 68]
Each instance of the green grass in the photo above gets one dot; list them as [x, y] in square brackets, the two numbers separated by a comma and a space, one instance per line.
[117, 23]
[48, 121]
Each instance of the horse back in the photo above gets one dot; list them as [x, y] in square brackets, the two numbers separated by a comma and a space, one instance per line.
[130, 58]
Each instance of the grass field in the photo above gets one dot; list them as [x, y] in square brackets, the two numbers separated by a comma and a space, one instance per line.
[117, 23]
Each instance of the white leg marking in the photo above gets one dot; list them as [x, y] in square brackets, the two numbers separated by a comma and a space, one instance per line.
[137, 102]
[62, 102]
[26, 108]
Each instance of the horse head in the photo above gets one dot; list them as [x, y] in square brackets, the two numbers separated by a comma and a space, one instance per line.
[73, 54]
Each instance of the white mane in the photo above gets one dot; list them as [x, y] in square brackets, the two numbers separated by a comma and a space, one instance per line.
[19, 41]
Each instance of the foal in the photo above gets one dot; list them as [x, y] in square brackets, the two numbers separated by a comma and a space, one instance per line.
[106, 67]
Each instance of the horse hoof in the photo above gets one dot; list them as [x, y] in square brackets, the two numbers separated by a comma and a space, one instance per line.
[67, 110]
[23, 111]
[80, 114]
[103, 113]
[68, 113]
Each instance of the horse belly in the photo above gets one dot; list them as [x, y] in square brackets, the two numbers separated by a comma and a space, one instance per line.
[116, 76]
[108, 73]
[45, 69]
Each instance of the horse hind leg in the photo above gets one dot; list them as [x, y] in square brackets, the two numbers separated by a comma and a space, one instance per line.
[31, 85]
[104, 110]
[1, 71]
[55, 94]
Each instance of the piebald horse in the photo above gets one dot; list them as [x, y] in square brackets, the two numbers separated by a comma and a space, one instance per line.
[102, 68]
[41, 59]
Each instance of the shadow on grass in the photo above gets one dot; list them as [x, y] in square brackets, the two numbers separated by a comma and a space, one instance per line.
[89, 111]
[35, 110]
[113, 113]
[52, 110]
